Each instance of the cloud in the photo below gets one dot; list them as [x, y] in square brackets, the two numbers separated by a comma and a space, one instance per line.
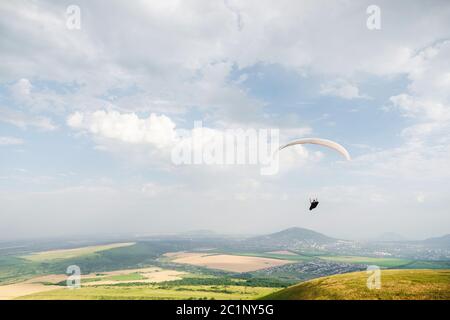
[21, 89]
[427, 100]
[176, 53]
[413, 161]
[24, 121]
[341, 88]
[424, 153]
[129, 128]
[419, 107]
[156, 140]
[52, 98]
[8, 141]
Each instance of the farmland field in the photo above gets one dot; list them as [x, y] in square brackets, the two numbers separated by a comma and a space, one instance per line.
[56, 281]
[233, 263]
[146, 275]
[12, 291]
[282, 255]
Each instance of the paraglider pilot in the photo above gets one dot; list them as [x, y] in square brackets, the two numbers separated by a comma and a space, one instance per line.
[314, 203]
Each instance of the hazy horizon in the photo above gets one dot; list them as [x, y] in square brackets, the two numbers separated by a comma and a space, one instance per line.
[118, 236]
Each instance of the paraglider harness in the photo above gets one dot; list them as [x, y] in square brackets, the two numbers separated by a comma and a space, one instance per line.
[314, 203]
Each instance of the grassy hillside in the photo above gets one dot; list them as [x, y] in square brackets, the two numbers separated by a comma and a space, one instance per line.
[395, 284]
[153, 292]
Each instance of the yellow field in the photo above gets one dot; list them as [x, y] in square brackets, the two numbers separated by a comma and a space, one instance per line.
[72, 253]
[225, 262]
[12, 291]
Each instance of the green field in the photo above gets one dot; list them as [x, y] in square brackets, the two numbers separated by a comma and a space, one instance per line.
[381, 262]
[14, 269]
[46, 256]
[395, 285]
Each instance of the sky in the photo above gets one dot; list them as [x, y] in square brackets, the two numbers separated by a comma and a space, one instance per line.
[94, 96]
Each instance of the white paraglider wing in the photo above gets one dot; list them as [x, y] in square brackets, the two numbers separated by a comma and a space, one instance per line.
[322, 142]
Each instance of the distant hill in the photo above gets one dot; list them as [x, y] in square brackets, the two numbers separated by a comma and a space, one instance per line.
[395, 285]
[301, 234]
[443, 241]
[291, 238]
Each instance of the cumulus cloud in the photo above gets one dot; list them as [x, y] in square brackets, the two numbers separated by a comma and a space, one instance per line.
[155, 130]
[210, 147]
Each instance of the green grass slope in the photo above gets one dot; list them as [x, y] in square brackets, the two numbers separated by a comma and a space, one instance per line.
[395, 285]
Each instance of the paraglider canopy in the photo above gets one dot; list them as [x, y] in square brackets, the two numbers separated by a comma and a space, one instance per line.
[322, 142]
